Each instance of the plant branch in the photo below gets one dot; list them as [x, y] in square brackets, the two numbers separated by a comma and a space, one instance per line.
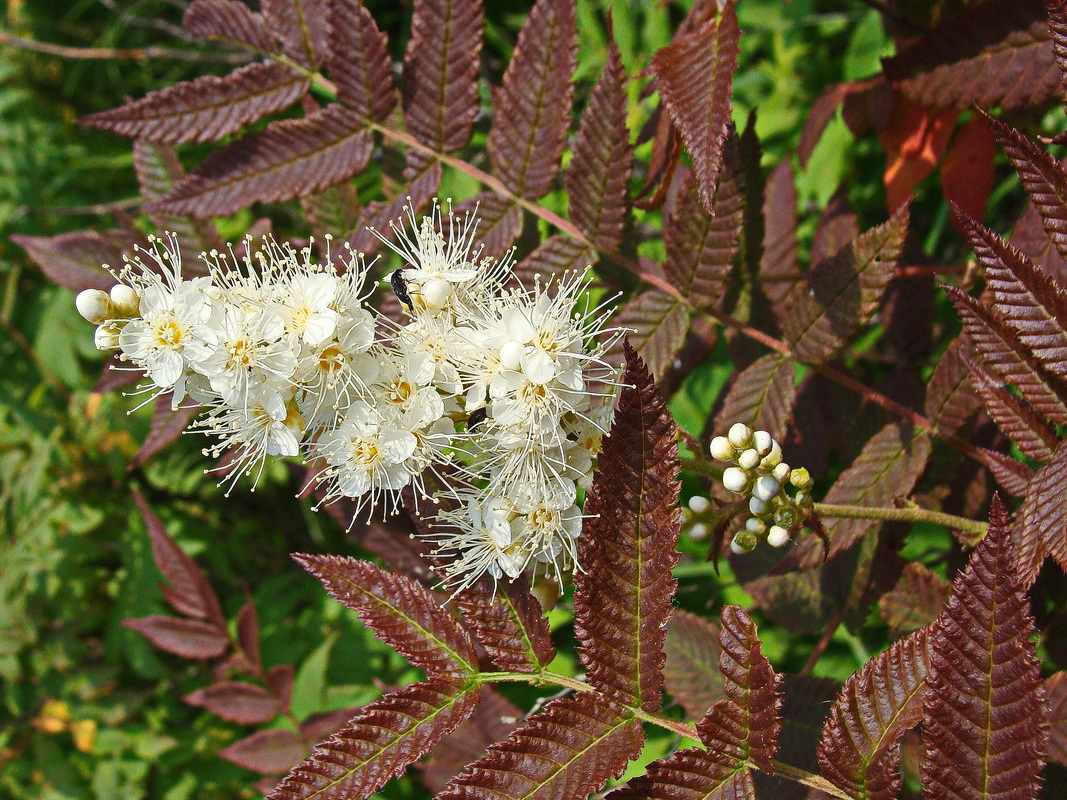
[903, 515]
[108, 53]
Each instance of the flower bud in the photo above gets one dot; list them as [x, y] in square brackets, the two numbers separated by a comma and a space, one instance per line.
[763, 442]
[740, 435]
[107, 337]
[803, 500]
[755, 525]
[786, 516]
[748, 460]
[699, 504]
[757, 506]
[436, 293]
[777, 536]
[511, 355]
[698, 532]
[765, 489]
[800, 478]
[94, 306]
[721, 449]
[744, 542]
[773, 458]
[781, 472]
[736, 480]
[125, 300]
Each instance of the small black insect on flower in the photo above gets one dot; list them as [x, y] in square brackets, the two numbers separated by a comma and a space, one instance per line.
[476, 418]
[400, 287]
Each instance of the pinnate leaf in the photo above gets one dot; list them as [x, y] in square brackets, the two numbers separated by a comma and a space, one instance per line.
[914, 138]
[691, 671]
[509, 624]
[554, 256]
[657, 323]
[1043, 178]
[1041, 524]
[189, 638]
[950, 398]
[694, 75]
[243, 703]
[761, 396]
[208, 108]
[885, 470]
[1056, 703]
[441, 72]
[380, 741]
[228, 19]
[529, 133]
[700, 247]
[779, 260]
[499, 222]
[301, 27]
[1000, 351]
[400, 611]
[915, 601]
[189, 592]
[1028, 300]
[359, 60]
[568, 750]
[73, 260]
[967, 169]
[287, 159]
[168, 424]
[995, 54]
[1013, 476]
[858, 748]
[984, 724]
[842, 291]
[1016, 418]
[269, 752]
[627, 550]
[598, 176]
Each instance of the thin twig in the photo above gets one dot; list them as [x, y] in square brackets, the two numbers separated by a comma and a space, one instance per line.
[135, 53]
[94, 209]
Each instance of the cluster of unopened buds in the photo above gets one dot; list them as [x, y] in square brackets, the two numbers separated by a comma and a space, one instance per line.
[504, 386]
[759, 473]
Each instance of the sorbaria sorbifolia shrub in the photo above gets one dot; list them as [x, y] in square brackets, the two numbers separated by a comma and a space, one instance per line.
[492, 378]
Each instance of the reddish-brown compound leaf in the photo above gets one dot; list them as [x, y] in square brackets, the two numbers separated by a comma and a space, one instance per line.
[189, 638]
[700, 247]
[598, 176]
[1057, 24]
[995, 54]
[950, 398]
[984, 721]
[280, 681]
[1034, 436]
[509, 623]
[914, 138]
[622, 595]
[243, 703]
[493, 721]
[554, 256]
[858, 750]
[287, 159]
[158, 171]
[694, 75]
[400, 611]
[359, 60]
[1027, 299]
[1043, 178]
[566, 751]
[441, 72]
[1012, 475]
[417, 193]
[691, 672]
[208, 108]
[269, 752]
[301, 27]
[1056, 706]
[1001, 352]
[795, 600]
[380, 741]
[529, 133]
[248, 636]
[334, 209]
[886, 469]
[189, 592]
[761, 396]
[228, 19]
[967, 169]
[319, 726]
[1041, 524]
[778, 265]
[1030, 237]
[499, 222]
[73, 260]
[915, 601]
[657, 323]
[842, 292]
[822, 111]
[739, 730]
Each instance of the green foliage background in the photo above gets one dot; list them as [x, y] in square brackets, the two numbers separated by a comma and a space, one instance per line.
[87, 708]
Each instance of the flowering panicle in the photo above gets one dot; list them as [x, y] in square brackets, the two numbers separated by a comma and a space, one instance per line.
[505, 385]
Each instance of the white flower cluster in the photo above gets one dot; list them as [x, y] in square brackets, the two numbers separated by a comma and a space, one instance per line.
[760, 473]
[503, 384]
